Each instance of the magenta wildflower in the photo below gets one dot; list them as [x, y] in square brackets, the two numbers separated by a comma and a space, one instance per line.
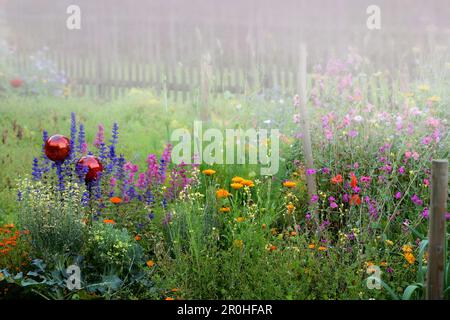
[416, 200]
[100, 137]
[352, 133]
[425, 213]
[398, 195]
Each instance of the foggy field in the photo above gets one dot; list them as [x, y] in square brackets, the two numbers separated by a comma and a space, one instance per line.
[258, 150]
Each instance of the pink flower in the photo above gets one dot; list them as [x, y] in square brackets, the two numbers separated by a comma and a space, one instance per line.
[426, 140]
[100, 137]
[398, 195]
[416, 200]
[425, 213]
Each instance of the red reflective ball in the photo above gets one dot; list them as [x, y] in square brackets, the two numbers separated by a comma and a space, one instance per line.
[57, 147]
[16, 83]
[94, 167]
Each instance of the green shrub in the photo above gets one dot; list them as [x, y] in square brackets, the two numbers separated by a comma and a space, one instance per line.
[112, 248]
[54, 218]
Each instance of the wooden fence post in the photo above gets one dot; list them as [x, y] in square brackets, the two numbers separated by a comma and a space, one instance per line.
[304, 122]
[205, 86]
[436, 231]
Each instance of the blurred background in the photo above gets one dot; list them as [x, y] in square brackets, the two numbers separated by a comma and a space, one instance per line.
[239, 45]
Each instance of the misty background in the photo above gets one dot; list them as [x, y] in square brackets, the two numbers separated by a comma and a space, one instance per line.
[239, 45]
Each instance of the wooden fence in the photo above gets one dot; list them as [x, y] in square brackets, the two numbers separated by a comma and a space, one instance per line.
[252, 44]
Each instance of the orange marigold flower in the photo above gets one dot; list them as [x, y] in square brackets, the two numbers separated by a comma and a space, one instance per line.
[222, 193]
[383, 264]
[322, 248]
[175, 290]
[409, 257]
[248, 183]
[311, 246]
[289, 184]
[337, 179]
[109, 221]
[290, 207]
[264, 226]
[353, 181]
[225, 209]
[272, 248]
[236, 185]
[115, 200]
[137, 237]
[237, 179]
[208, 172]
[9, 226]
[293, 233]
[150, 263]
[355, 200]
[407, 248]
[169, 298]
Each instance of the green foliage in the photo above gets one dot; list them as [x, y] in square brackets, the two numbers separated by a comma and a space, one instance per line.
[54, 219]
[108, 247]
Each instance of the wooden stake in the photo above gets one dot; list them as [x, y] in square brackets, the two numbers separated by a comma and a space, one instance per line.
[306, 137]
[205, 79]
[436, 231]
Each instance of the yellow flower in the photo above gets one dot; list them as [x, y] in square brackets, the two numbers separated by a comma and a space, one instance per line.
[322, 248]
[434, 99]
[225, 209]
[238, 243]
[289, 184]
[311, 246]
[424, 87]
[240, 219]
[407, 248]
[237, 179]
[222, 193]
[389, 242]
[248, 183]
[208, 172]
[409, 257]
[236, 185]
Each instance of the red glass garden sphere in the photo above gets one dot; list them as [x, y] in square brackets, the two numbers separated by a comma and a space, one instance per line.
[57, 147]
[94, 167]
[16, 83]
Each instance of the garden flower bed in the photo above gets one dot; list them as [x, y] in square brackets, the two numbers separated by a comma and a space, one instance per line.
[133, 225]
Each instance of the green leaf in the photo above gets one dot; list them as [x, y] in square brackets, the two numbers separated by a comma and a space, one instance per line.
[416, 233]
[420, 272]
[409, 291]
[389, 290]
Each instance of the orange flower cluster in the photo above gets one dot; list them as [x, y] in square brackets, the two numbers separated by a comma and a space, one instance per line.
[8, 238]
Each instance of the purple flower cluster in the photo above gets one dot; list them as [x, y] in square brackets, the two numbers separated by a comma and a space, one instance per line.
[160, 182]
